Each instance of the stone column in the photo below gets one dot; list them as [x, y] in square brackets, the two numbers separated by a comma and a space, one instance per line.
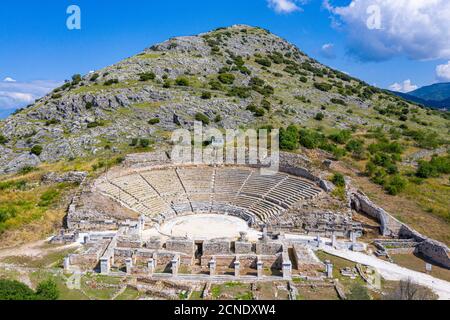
[151, 266]
[259, 266]
[329, 269]
[129, 265]
[334, 241]
[353, 237]
[67, 263]
[237, 269]
[86, 239]
[212, 267]
[287, 270]
[175, 265]
[105, 266]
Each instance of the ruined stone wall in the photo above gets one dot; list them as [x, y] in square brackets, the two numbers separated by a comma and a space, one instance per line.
[181, 245]
[268, 248]
[431, 249]
[216, 247]
[242, 247]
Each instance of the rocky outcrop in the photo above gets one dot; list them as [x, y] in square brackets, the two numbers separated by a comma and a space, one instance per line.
[71, 177]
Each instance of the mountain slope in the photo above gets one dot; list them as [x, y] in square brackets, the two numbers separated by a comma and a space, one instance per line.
[237, 77]
[434, 92]
[434, 96]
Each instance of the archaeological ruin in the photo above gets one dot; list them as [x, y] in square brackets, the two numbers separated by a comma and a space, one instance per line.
[153, 219]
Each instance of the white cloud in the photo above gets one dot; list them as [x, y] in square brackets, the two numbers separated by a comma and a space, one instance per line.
[9, 79]
[404, 87]
[418, 29]
[15, 94]
[327, 51]
[285, 6]
[443, 72]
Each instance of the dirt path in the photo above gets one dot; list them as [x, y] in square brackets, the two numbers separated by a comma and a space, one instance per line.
[393, 272]
[36, 249]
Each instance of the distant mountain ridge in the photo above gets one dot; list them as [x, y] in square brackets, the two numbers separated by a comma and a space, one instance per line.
[435, 96]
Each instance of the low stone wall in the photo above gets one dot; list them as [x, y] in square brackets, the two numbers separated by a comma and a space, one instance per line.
[433, 250]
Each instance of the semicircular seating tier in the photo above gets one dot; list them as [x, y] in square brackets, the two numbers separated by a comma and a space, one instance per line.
[162, 194]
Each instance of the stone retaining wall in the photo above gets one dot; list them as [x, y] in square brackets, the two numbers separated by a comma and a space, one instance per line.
[435, 251]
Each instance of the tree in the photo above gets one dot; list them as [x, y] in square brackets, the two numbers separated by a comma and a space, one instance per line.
[15, 290]
[47, 290]
[289, 138]
[408, 290]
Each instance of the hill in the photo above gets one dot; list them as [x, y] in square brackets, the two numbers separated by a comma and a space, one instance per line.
[227, 75]
[434, 96]
[236, 77]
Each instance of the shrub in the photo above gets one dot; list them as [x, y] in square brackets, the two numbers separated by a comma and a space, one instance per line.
[147, 76]
[289, 138]
[226, 78]
[51, 122]
[396, 185]
[3, 139]
[241, 92]
[47, 290]
[94, 77]
[266, 105]
[266, 91]
[182, 81]
[89, 105]
[311, 139]
[144, 143]
[355, 146]
[215, 85]
[338, 101]
[111, 82]
[264, 62]
[218, 118]
[256, 82]
[206, 95]
[319, 117]
[202, 118]
[303, 79]
[154, 121]
[134, 142]
[15, 290]
[76, 79]
[323, 86]
[36, 150]
[341, 137]
[259, 112]
[338, 180]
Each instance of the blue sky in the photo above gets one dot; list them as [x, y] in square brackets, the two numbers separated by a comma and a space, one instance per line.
[37, 51]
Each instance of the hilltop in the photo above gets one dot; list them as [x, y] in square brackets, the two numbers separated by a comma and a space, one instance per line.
[219, 74]
[235, 77]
